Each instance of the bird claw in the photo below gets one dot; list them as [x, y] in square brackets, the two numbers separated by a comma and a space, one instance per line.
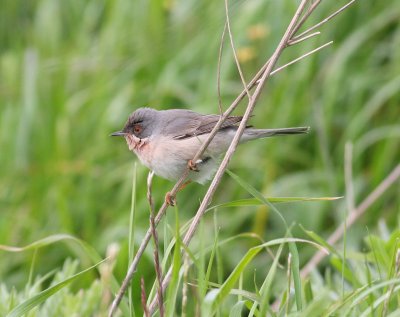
[193, 166]
[170, 199]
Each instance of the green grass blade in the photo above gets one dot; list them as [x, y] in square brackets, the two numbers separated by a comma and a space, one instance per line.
[175, 277]
[213, 252]
[296, 276]
[308, 293]
[234, 276]
[292, 246]
[266, 287]
[42, 243]
[256, 202]
[319, 240]
[236, 310]
[89, 250]
[256, 194]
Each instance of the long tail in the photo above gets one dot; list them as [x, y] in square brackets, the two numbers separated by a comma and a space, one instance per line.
[264, 133]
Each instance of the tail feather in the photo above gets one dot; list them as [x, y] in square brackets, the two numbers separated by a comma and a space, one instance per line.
[264, 133]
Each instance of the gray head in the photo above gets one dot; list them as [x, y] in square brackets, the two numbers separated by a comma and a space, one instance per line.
[141, 123]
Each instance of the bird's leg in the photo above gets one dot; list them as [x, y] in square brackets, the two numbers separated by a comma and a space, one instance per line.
[184, 185]
[171, 199]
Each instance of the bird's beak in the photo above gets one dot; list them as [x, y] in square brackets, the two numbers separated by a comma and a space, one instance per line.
[118, 133]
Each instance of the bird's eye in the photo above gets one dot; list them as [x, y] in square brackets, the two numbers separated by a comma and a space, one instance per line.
[137, 128]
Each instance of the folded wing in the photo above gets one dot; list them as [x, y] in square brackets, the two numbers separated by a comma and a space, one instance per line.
[187, 124]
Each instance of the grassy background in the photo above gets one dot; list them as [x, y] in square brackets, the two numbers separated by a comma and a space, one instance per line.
[72, 71]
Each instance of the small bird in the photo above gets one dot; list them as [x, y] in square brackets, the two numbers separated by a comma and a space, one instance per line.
[167, 140]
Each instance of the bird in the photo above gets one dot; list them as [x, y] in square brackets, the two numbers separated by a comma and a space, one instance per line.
[165, 141]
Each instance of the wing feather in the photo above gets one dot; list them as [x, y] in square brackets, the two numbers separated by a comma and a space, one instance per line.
[203, 124]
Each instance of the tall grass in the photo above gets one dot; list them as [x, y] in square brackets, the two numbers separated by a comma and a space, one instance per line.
[72, 71]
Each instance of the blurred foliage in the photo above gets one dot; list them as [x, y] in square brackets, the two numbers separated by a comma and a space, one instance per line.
[72, 71]
[65, 303]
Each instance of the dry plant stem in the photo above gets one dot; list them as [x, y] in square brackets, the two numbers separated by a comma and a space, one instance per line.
[240, 97]
[142, 247]
[221, 48]
[294, 40]
[228, 24]
[149, 193]
[143, 298]
[252, 102]
[301, 57]
[225, 115]
[227, 112]
[254, 81]
[301, 39]
[357, 213]
[157, 265]
[304, 18]
[324, 20]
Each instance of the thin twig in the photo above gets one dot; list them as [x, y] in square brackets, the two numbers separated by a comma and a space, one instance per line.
[149, 192]
[238, 99]
[277, 70]
[357, 213]
[227, 112]
[142, 248]
[231, 150]
[143, 298]
[301, 39]
[305, 17]
[324, 20]
[234, 104]
[228, 24]
[157, 265]
[221, 47]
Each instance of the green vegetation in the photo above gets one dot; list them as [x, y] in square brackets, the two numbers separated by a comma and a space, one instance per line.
[70, 74]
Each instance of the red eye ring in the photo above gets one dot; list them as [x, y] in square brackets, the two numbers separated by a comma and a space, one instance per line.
[137, 128]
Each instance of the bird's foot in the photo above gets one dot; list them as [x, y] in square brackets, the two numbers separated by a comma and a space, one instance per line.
[193, 166]
[170, 199]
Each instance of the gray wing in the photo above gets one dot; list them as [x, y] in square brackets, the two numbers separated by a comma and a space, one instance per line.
[187, 124]
[205, 124]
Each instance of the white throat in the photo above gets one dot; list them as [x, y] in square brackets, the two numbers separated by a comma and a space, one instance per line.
[134, 143]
